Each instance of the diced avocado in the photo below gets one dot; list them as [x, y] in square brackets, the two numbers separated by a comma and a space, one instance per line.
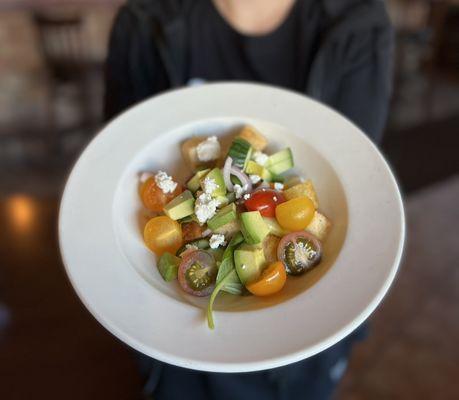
[280, 161]
[195, 182]
[189, 218]
[274, 228]
[222, 201]
[256, 169]
[217, 176]
[249, 261]
[181, 206]
[229, 229]
[223, 217]
[168, 266]
[253, 227]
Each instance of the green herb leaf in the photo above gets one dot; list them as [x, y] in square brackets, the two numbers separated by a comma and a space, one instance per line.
[220, 285]
[227, 278]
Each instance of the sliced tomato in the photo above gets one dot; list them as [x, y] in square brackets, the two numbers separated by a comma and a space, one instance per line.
[271, 280]
[197, 273]
[265, 201]
[153, 197]
[295, 214]
[162, 234]
[299, 252]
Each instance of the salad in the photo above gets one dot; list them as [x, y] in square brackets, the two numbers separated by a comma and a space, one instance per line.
[239, 224]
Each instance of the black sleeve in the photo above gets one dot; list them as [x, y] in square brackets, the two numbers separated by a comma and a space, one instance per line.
[133, 71]
[364, 90]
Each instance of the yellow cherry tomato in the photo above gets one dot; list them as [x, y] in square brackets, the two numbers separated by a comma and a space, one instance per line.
[163, 234]
[153, 197]
[295, 214]
[271, 280]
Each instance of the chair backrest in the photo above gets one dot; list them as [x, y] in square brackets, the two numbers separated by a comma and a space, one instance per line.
[61, 40]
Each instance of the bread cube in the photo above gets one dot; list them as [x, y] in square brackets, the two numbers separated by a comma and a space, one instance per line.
[302, 189]
[319, 226]
[255, 138]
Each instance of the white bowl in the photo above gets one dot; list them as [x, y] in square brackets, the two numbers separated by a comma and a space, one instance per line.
[116, 276]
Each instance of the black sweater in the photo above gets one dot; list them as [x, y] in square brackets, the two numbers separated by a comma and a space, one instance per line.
[349, 66]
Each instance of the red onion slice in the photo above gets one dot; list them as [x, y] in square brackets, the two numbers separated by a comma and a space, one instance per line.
[245, 180]
[227, 174]
[206, 233]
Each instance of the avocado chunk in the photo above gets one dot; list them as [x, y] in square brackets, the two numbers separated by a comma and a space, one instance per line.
[249, 261]
[217, 176]
[181, 206]
[230, 229]
[253, 227]
[256, 169]
[168, 266]
[223, 217]
[195, 182]
[274, 227]
[280, 161]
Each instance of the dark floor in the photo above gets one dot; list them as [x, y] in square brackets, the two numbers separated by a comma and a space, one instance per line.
[412, 352]
[53, 348]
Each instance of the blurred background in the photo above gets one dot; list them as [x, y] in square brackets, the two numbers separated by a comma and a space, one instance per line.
[51, 88]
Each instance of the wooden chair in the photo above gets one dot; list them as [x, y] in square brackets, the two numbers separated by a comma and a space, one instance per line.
[68, 62]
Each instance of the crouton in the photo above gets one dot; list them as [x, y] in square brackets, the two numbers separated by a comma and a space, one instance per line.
[301, 190]
[319, 226]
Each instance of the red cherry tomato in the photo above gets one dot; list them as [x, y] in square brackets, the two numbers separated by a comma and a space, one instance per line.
[265, 201]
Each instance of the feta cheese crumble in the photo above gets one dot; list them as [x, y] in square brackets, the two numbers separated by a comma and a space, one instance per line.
[205, 207]
[246, 196]
[255, 179]
[260, 158]
[191, 247]
[209, 149]
[144, 176]
[217, 240]
[209, 185]
[165, 182]
[278, 186]
[239, 190]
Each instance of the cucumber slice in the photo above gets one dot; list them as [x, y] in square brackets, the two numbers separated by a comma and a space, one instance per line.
[280, 162]
[240, 151]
